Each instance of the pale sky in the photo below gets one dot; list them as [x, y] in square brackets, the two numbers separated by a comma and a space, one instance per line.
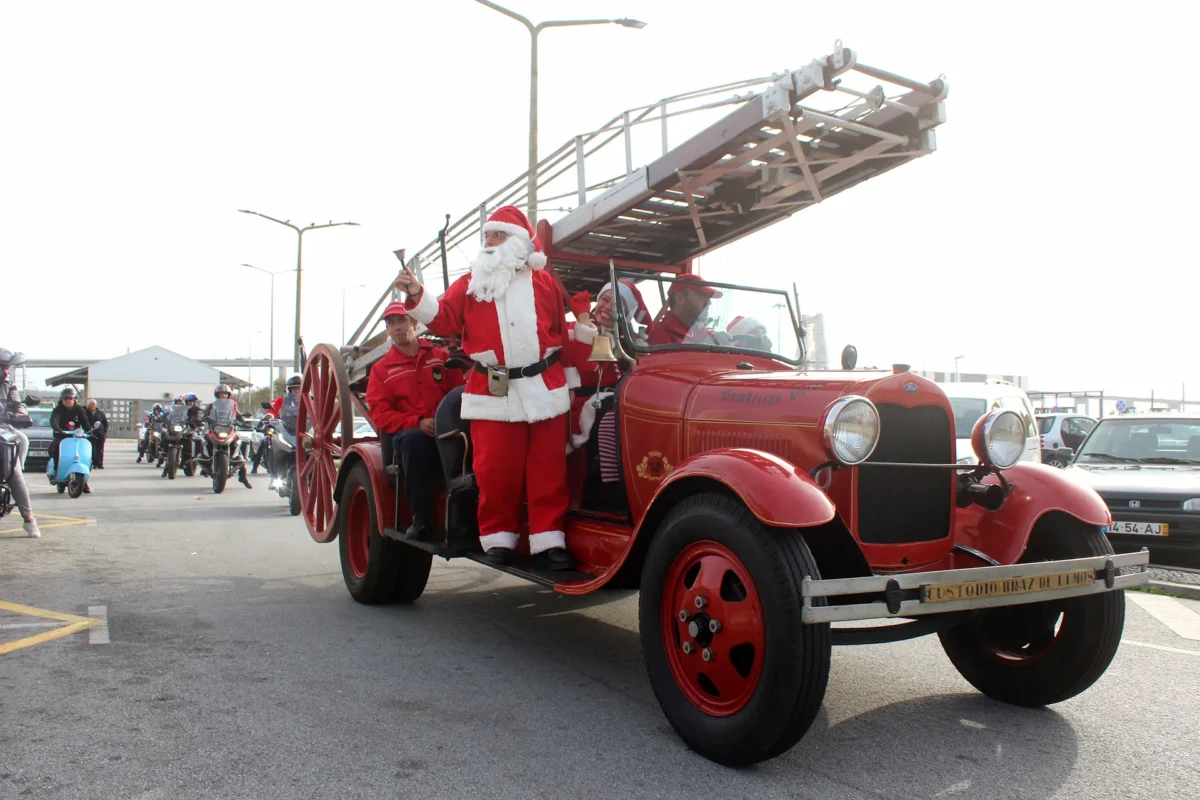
[1044, 238]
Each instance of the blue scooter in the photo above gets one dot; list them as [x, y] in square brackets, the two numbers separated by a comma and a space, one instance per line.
[74, 465]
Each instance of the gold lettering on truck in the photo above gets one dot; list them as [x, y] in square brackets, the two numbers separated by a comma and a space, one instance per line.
[1003, 587]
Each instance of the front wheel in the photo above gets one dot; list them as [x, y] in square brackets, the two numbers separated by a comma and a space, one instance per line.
[220, 471]
[172, 462]
[737, 673]
[376, 569]
[1042, 653]
[62, 487]
[1056, 462]
[293, 494]
[75, 485]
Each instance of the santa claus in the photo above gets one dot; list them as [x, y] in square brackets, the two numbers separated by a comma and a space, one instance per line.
[511, 316]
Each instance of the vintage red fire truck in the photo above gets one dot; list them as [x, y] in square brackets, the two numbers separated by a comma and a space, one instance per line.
[760, 500]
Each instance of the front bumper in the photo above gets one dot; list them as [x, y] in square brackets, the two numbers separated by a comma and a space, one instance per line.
[1184, 530]
[916, 594]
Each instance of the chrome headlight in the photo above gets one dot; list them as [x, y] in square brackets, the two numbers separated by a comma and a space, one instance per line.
[1192, 505]
[998, 438]
[850, 429]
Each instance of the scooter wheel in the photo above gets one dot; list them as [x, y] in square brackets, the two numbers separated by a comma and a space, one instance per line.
[62, 487]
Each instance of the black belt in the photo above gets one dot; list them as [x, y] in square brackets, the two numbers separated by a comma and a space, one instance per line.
[537, 368]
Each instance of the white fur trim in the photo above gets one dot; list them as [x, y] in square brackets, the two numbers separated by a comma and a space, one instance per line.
[584, 333]
[534, 404]
[517, 316]
[499, 539]
[541, 542]
[536, 260]
[572, 377]
[507, 227]
[426, 308]
[486, 357]
[587, 418]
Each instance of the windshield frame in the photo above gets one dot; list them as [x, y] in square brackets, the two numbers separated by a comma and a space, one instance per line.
[631, 345]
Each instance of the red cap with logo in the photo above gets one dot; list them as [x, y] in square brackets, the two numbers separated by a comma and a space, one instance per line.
[690, 281]
[396, 309]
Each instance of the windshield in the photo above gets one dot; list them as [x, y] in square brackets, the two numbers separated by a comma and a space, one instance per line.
[223, 411]
[967, 411]
[40, 417]
[1045, 424]
[177, 414]
[1143, 441]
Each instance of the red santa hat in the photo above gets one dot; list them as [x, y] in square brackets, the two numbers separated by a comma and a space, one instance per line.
[512, 220]
[631, 298]
[745, 326]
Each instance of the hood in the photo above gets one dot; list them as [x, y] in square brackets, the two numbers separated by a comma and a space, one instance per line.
[1165, 481]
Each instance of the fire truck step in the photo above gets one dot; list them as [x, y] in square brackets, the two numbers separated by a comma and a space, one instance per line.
[544, 577]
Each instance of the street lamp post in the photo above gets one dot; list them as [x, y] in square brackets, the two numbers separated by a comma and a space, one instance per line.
[312, 226]
[956, 360]
[344, 288]
[534, 30]
[271, 382]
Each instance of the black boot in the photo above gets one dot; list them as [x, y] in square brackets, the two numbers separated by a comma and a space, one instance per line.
[498, 556]
[420, 532]
[243, 479]
[556, 558]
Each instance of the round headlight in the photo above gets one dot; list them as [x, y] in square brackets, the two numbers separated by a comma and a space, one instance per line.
[999, 438]
[851, 429]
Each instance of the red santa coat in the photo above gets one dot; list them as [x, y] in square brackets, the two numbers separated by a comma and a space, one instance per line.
[592, 374]
[521, 328]
[405, 389]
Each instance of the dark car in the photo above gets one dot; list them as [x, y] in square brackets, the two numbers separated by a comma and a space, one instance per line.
[40, 437]
[1147, 469]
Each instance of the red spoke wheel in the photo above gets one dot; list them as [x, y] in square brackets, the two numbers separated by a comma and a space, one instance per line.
[736, 671]
[324, 431]
[1041, 653]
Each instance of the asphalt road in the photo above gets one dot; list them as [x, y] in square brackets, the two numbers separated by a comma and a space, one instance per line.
[236, 666]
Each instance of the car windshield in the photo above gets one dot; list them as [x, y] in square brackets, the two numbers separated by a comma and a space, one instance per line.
[40, 417]
[1045, 424]
[713, 317]
[1170, 441]
[967, 411]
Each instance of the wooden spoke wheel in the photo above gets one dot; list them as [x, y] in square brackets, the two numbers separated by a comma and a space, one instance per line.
[325, 430]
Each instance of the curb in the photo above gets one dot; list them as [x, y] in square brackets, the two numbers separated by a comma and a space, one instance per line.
[1180, 589]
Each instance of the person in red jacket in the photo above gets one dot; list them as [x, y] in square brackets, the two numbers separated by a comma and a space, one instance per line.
[681, 320]
[403, 394]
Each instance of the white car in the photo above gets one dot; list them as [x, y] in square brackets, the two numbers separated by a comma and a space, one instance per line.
[974, 400]
[1062, 430]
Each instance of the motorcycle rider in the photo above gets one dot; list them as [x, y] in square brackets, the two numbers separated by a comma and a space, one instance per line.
[263, 427]
[157, 414]
[223, 392]
[291, 398]
[66, 418]
[10, 403]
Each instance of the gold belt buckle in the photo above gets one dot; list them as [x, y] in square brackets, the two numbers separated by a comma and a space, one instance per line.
[497, 381]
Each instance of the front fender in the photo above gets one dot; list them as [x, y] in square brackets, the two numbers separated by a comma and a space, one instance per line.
[776, 491]
[369, 453]
[1037, 491]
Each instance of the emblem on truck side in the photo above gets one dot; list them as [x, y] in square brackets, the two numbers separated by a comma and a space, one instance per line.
[654, 466]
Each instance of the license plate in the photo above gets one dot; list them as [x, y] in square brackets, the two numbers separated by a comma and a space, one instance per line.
[1139, 528]
[1003, 587]
[39, 453]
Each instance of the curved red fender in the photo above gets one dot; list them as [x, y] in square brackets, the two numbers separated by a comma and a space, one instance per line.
[1037, 490]
[371, 453]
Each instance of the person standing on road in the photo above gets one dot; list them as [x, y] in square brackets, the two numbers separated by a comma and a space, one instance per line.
[511, 315]
[66, 418]
[403, 394]
[14, 410]
[94, 415]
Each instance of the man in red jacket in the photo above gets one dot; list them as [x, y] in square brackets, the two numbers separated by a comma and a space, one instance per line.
[403, 394]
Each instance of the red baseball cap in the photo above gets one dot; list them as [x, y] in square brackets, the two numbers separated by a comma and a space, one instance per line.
[678, 285]
[395, 308]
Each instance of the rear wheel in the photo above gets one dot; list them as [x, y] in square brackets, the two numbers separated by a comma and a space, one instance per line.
[1042, 653]
[376, 569]
[75, 484]
[738, 674]
[220, 472]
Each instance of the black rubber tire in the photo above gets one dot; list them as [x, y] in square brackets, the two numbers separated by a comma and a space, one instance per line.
[62, 487]
[1057, 463]
[396, 573]
[153, 452]
[293, 494]
[220, 472]
[795, 672]
[172, 462]
[1085, 644]
[75, 485]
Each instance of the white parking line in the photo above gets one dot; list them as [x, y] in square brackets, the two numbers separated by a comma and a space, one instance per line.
[98, 634]
[1162, 647]
[1170, 612]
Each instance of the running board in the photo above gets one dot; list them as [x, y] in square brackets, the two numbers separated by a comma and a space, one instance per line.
[437, 548]
[543, 577]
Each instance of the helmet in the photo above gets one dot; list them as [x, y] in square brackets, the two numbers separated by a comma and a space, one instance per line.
[178, 398]
[190, 398]
[222, 388]
[67, 392]
[10, 359]
[295, 380]
[158, 406]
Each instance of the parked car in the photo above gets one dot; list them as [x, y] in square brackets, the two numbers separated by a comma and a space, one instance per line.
[1146, 467]
[971, 401]
[40, 437]
[1062, 431]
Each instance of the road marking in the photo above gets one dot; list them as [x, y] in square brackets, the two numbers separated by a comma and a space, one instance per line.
[1162, 647]
[73, 624]
[1170, 612]
[98, 634]
[66, 521]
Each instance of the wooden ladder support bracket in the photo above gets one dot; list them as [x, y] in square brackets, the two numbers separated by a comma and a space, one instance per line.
[693, 212]
[798, 150]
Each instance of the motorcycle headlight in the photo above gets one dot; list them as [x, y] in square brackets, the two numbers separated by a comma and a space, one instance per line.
[998, 439]
[1192, 505]
[222, 435]
[176, 428]
[851, 429]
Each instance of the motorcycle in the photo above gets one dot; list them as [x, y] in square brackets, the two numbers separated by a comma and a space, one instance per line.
[178, 442]
[154, 445]
[223, 453]
[74, 463]
[281, 441]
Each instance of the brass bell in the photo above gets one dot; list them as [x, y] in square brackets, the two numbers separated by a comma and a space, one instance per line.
[602, 349]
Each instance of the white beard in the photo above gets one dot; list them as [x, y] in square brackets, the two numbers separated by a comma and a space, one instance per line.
[495, 267]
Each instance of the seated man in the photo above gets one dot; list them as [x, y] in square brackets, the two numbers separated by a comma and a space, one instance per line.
[687, 300]
[403, 394]
[749, 333]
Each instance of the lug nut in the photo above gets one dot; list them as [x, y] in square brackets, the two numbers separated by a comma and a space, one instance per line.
[694, 628]
[701, 601]
[707, 654]
[688, 648]
[683, 616]
[714, 626]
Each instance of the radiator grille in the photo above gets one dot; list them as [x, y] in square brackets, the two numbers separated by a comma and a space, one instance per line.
[898, 505]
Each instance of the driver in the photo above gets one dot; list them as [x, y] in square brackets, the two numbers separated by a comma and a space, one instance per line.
[406, 386]
[687, 300]
[223, 392]
[10, 404]
[66, 418]
[156, 414]
[749, 333]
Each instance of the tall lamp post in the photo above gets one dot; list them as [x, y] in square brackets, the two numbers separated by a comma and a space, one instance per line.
[271, 381]
[312, 226]
[956, 360]
[344, 288]
[534, 30]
